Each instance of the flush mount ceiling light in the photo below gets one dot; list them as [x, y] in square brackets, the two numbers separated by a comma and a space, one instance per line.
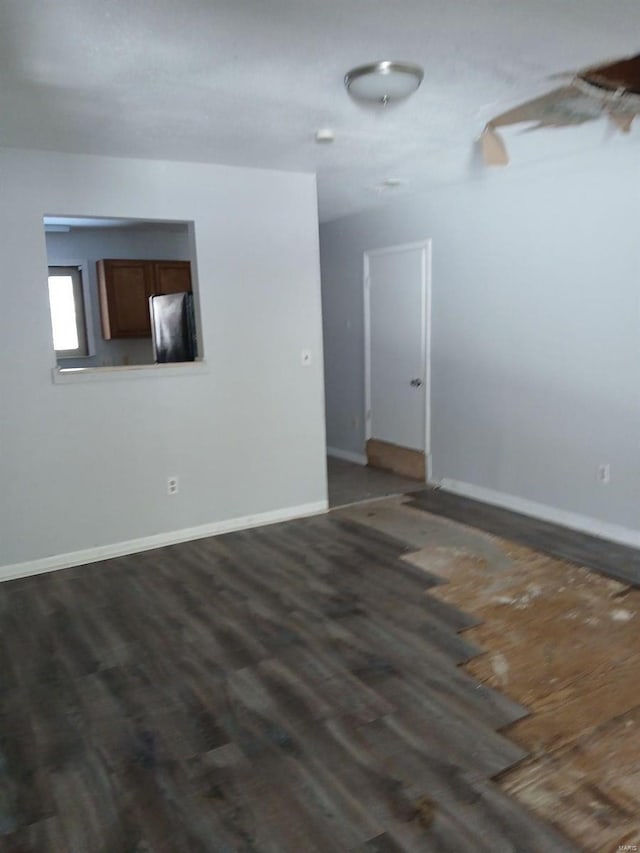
[383, 82]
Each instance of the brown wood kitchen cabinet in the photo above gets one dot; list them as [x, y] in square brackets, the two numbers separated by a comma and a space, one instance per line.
[125, 287]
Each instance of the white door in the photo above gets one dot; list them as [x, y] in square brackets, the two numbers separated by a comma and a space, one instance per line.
[397, 304]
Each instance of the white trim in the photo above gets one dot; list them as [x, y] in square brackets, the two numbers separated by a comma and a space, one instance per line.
[401, 247]
[347, 455]
[425, 247]
[426, 273]
[565, 518]
[366, 303]
[70, 375]
[159, 540]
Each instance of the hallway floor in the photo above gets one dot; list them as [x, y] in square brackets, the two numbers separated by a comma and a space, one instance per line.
[350, 483]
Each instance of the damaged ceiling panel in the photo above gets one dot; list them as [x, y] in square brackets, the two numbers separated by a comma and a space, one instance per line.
[612, 89]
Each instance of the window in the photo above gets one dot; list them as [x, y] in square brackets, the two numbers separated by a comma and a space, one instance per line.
[67, 312]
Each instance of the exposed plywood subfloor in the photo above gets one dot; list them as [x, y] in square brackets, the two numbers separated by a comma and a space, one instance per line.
[400, 460]
[564, 642]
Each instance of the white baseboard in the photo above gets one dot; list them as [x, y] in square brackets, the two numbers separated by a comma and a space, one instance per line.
[159, 540]
[572, 520]
[347, 455]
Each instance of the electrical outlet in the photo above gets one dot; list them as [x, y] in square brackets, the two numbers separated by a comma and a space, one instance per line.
[355, 422]
[172, 486]
[604, 473]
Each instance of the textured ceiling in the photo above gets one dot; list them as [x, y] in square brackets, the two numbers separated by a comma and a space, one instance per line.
[248, 82]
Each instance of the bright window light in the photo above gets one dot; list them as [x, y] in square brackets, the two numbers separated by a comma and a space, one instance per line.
[63, 312]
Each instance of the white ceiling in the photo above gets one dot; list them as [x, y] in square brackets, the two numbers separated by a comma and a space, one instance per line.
[248, 82]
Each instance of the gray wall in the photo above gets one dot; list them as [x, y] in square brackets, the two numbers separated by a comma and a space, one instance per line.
[89, 245]
[536, 329]
[84, 465]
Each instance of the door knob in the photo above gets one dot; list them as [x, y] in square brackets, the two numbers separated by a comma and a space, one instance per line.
[415, 383]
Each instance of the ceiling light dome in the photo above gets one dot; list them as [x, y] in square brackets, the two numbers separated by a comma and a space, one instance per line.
[383, 82]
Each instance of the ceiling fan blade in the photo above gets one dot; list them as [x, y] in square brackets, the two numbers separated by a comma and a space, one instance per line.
[494, 151]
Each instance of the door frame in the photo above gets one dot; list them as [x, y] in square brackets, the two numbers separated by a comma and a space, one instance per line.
[425, 245]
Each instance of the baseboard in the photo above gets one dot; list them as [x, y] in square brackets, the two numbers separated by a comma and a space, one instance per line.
[347, 455]
[147, 543]
[572, 520]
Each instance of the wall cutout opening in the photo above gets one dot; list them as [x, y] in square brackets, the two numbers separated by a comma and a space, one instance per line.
[103, 276]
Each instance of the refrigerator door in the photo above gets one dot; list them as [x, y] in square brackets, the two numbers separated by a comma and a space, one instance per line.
[173, 327]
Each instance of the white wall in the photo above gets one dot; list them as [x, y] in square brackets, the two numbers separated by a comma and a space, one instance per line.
[85, 465]
[88, 245]
[536, 329]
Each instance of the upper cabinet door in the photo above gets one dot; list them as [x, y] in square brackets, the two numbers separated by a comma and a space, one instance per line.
[125, 287]
[172, 276]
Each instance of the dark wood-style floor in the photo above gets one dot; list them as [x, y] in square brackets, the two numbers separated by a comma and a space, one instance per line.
[608, 558]
[288, 689]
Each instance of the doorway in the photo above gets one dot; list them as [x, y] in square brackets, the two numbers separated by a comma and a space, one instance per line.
[397, 324]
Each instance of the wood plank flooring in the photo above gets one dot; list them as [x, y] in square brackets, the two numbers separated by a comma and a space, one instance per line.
[609, 558]
[291, 688]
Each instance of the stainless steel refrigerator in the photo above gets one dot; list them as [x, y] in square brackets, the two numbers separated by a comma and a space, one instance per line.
[173, 327]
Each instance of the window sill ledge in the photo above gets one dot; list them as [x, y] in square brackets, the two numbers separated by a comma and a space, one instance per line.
[70, 375]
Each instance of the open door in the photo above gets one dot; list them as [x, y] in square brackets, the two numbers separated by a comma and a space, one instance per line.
[397, 297]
